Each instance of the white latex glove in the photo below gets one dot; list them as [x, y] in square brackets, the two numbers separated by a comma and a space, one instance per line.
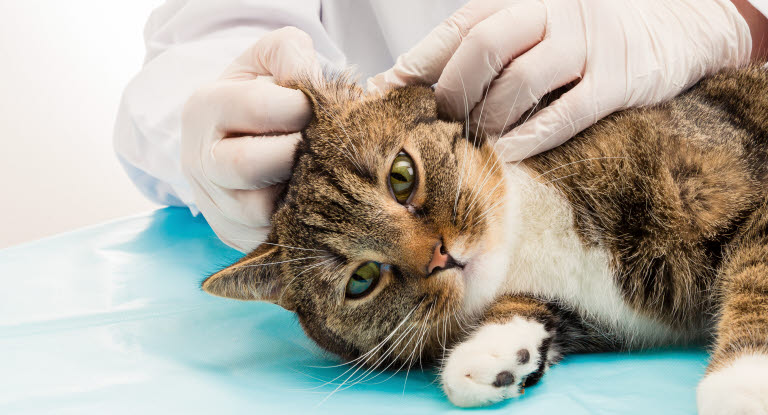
[239, 135]
[494, 60]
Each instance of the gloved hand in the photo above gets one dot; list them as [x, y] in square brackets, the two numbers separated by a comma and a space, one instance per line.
[239, 135]
[494, 59]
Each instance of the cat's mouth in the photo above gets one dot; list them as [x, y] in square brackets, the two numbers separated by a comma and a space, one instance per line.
[451, 263]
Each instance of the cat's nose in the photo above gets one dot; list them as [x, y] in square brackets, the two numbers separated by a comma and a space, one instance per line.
[440, 260]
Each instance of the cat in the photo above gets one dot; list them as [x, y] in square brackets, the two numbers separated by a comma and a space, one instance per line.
[404, 238]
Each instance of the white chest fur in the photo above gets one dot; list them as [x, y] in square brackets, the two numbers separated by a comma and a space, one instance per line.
[548, 260]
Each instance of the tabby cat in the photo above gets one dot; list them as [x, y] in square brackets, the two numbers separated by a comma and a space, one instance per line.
[402, 238]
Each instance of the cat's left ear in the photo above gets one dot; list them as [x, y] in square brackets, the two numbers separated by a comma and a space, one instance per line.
[328, 93]
[256, 277]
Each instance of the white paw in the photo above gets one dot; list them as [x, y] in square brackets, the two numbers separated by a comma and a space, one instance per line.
[492, 364]
[740, 388]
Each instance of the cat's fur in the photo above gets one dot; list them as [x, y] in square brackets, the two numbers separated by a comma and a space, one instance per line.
[650, 228]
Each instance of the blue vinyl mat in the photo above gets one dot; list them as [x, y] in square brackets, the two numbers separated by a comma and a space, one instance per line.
[110, 320]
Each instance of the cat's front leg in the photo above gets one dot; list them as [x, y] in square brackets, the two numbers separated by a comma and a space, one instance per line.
[737, 378]
[510, 350]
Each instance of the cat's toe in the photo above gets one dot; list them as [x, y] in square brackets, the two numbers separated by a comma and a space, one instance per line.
[739, 388]
[495, 363]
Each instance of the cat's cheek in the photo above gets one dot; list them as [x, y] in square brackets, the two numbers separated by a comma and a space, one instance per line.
[493, 364]
[741, 387]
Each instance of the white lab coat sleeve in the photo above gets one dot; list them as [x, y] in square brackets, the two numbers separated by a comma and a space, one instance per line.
[189, 43]
[761, 5]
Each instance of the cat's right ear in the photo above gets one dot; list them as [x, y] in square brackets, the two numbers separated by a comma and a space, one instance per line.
[256, 277]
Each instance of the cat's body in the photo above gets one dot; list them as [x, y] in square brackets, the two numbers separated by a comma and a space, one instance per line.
[648, 229]
[643, 207]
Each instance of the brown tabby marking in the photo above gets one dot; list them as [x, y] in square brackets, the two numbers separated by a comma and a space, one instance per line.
[666, 189]
[675, 194]
[336, 213]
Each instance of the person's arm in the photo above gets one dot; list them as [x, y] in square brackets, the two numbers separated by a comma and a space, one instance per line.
[755, 12]
[190, 43]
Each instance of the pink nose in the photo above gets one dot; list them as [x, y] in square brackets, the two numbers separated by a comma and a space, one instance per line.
[440, 259]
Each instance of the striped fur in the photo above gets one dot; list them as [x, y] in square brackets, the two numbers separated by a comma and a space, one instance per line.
[648, 228]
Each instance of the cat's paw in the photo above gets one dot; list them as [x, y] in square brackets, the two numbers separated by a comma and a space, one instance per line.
[739, 388]
[495, 362]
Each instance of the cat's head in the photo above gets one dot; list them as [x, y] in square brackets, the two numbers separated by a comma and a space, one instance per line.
[384, 238]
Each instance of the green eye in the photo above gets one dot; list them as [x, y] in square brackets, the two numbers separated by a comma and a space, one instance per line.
[402, 177]
[364, 279]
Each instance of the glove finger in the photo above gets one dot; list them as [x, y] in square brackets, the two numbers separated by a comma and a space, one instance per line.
[254, 207]
[489, 46]
[552, 126]
[250, 162]
[285, 53]
[522, 84]
[233, 208]
[240, 218]
[256, 107]
[245, 238]
[425, 62]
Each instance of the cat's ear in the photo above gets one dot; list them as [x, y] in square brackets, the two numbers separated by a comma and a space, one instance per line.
[256, 277]
[327, 93]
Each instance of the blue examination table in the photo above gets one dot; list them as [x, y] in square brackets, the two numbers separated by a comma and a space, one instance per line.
[110, 319]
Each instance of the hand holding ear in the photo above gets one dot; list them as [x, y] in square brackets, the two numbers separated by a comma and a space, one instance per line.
[493, 60]
[239, 134]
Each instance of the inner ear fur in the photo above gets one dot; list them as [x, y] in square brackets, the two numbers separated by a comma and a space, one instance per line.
[328, 93]
[256, 277]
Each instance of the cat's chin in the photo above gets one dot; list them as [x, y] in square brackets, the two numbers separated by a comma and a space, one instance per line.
[483, 277]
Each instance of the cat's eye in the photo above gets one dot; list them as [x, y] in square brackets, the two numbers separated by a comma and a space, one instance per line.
[364, 279]
[402, 177]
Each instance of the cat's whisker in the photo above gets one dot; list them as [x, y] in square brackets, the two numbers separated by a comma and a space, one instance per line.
[382, 359]
[325, 383]
[411, 330]
[411, 356]
[477, 129]
[577, 162]
[530, 113]
[397, 358]
[500, 156]
[373, 350]
[446, 321]
[490, 209]
[509, 114]
[592, 115]
[425, 320]
[278, 262]
[561, 178]
[474, 191]
[477, 196]
[489, 194]
[500, 64]
[425, 336]
[284, 246]
[364, 358]
[446, 315]
[346, 384]
[466, 143]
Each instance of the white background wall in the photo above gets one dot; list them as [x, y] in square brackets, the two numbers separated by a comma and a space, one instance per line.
[63, 65]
